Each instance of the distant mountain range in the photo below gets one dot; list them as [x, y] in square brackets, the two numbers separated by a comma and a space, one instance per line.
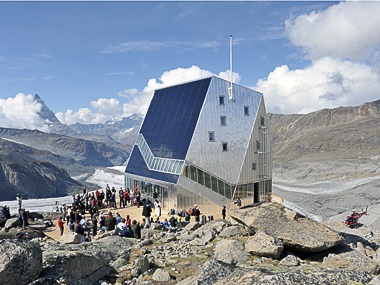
[327, 145]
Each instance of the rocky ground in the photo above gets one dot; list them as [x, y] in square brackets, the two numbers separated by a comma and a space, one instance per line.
[267, 244]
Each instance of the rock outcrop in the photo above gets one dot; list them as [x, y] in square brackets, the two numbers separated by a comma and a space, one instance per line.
[20, 262]
[262, 244]
[295, 231]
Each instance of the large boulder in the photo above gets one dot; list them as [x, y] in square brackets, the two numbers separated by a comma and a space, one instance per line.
[12, 222]
[262, 244]
[230, 251]
[20, 262]
[74, 267]
[234, 231]
[109, 248]
[211, 230]
[70, 238]
[351, 260]
[296, 231]
[211, 272]
[161, 275]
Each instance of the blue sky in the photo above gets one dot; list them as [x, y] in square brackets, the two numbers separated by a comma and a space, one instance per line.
[95, 61]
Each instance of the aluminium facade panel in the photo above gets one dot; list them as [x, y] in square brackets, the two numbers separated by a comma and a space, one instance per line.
[208, 155]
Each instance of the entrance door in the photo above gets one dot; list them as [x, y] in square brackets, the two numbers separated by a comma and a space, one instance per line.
[256, 192]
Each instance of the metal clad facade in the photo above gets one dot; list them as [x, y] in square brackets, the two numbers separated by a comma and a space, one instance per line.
[209, 155]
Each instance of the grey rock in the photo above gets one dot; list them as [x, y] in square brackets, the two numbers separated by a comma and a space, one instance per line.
[106, 234]
[211, 272]
[35, 215]
[157, 227]
[12, 222]
[234, 231]
[141, 265]
[215, 226]
[70, 238]
[74, 267]
[20, 262]
[168, 239]
[290, 260]
[145, 242]
[161, 275]
[192, 226]
[121, 260]
[296, 231]
[230, 251]
[351, 260]
[262, 244]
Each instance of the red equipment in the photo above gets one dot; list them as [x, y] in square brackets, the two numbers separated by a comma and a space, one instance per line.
[353, 219]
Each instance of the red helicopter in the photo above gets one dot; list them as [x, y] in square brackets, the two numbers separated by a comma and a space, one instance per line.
[353, 219]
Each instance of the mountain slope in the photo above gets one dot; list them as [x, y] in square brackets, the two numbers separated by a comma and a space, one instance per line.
[327, 145]
[19, 173]
[88, 153]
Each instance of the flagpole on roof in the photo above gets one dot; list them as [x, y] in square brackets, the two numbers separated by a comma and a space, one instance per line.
[231, 76]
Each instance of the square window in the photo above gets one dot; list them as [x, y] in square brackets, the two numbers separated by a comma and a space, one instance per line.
[221, 99]
[211, 136]
[223, 120]
[225, 146]
[246, 111]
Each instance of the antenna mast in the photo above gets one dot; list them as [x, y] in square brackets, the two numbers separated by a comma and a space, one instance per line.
[231, 77]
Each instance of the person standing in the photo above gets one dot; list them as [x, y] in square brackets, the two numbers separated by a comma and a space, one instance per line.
[94, 222]
[23, 218]
[60, 224]
[224, 212]
[121, 196]
[197, 213]
[19, 201]
[157, 208]
[146, 213]
[238, 202]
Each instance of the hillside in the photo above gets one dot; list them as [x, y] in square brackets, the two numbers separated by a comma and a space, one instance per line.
[327, 145]
[19, 173]
[85, 152]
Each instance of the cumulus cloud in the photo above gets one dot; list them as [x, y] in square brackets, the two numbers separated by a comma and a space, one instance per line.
[326, 83]
[341, 42]
[21, 112]
[347, 30]
[110, 109]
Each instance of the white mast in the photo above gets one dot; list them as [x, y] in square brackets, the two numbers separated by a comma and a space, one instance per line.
[231, 77]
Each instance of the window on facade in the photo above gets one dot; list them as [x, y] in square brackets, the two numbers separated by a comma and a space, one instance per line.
[254, 166]
[211, 136]
[223, 121]
[200, 177]
[193, 173]
[186, 170]
[258, 145]
[221, 99]
[221, 187]
[214, 184]
[246, 111]
[207, 180]
[225, 146]
[262, 121]
[228, 191]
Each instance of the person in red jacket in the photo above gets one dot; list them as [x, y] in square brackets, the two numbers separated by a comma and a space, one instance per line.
[60, 224]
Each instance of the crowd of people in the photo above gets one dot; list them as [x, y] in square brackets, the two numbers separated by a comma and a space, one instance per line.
[104, 214]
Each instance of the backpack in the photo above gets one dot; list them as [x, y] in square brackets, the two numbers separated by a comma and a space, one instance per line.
[191, 211]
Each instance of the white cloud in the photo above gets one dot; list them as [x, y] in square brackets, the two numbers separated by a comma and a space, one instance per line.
[347, 30]
[21, 112]
[341, 42]
[111, 109]
[326, 83]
